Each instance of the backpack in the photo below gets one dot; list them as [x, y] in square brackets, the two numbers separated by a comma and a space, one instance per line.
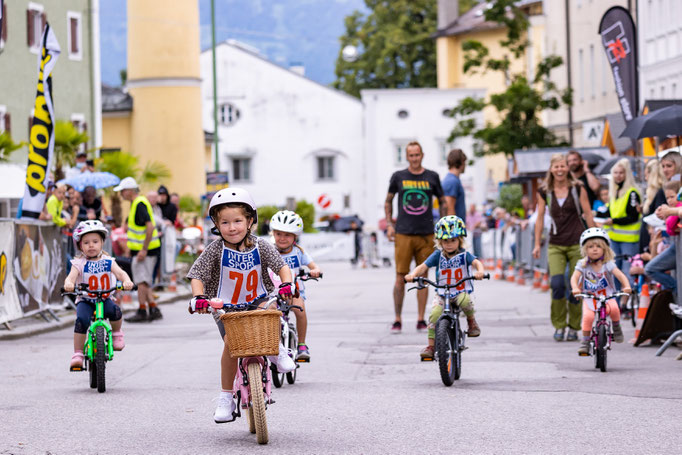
[576, 202]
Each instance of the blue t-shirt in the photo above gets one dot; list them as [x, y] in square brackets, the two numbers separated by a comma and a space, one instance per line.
[451, 270]
[452, 186]
[295, 259]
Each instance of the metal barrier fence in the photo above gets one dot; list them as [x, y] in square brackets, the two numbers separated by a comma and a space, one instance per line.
[513, 245]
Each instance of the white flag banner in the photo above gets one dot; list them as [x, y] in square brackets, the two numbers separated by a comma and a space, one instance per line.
[41, 139]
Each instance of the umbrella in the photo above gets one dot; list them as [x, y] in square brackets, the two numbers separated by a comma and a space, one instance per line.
[604, 167]
[663, 122]
[96, 179]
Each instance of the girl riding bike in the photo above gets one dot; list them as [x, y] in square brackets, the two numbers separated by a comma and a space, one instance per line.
[286, 226]
[234, 269]
[452, 263]
[595, 274]
[99, 271]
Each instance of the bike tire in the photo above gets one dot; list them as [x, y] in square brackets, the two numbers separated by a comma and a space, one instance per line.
[277, 377]
[92, 369]
[101, 358]
[293, 345]
[445, 351]
[634, 307]
[258, 402]
[457, 349]
[251, 421]
[601, 348]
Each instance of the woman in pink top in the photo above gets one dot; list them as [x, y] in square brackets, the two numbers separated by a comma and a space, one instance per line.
[659, 266]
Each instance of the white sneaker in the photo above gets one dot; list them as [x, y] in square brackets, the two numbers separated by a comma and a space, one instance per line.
[283, 361]
[225, 409]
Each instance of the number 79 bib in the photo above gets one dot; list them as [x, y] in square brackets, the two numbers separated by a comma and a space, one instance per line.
[241, 277]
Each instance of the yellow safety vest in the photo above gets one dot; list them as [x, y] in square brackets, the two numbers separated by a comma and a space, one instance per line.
[136, 234]
[618, 209]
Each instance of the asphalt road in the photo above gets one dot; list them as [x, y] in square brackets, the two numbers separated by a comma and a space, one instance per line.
[365, 390]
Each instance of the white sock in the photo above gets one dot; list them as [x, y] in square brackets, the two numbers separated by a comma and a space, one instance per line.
[226, 394]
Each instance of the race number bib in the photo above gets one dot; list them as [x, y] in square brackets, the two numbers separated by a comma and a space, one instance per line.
[241, 277]
[98, 276]
[450, 271]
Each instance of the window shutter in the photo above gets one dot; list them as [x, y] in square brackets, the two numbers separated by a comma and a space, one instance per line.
[73, 26]
[29, 28]
[85, 127]
[8, 122]
[4, 22]
[43, 21]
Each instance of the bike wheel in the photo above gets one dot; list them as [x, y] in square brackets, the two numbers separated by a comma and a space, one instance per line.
[457, 349]
[277, 377]
[258, 403]
[601, 348]
[100, 359]
[92, 369]
[634, 307]
[445, 351]
[252, 422]
[293, 345]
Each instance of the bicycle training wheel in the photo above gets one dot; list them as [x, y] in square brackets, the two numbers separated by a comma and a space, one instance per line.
[601, 348]
[458, 337]
[293, 345]
[100, 359]
[634, 307]
[258, 403]
[92, 369]
[277, 377]
[445, 351]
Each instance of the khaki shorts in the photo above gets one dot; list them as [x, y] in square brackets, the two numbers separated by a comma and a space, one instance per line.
[407, 247]
[143, 271]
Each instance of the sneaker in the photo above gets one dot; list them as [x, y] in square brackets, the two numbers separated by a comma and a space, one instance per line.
[77, 361]
[303, 353]
[224, 412]
[118, 341]
[154, 313]
[559, 334]
[283, 361]
[427, 353]
[421, 326]
[572, 335]
[396, 328]
[618, 334]
[140, 316]
[473, 329]
[584, 348]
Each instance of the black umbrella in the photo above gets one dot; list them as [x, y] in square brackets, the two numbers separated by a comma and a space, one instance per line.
[663, 122]
[604, 167]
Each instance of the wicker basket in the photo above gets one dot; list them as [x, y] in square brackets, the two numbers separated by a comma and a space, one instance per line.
[252, 333]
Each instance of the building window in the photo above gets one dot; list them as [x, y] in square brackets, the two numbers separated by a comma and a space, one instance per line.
[74, 37]
[399, 157]
[4, 120]
[241, 169]
[3, 32]
[228, 114]
[593, 82]
[445, 148]
[35, 23]
[78, 122]
[325, 168]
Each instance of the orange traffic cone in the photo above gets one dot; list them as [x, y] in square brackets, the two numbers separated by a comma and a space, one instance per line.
[537, 279]
[173, 286]
[544, 286]
[644, 300]
[510, 273]
[521, 278]
[498, 270]
[127, 298]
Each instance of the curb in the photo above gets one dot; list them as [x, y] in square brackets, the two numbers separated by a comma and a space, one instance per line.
[69, 319]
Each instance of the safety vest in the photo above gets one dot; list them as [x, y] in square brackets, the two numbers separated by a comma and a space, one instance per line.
[623, 232]
[136, 234]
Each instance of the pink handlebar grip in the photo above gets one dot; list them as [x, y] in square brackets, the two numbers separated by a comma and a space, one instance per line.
[216, 303]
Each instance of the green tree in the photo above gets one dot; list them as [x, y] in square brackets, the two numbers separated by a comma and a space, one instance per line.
[394, 44]
[67, 142]
[8, 146]
[510, 197]
[265, 212]
[520, 105]
[306, 211]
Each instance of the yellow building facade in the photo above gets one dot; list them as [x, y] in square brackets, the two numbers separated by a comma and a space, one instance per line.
[450, 61]
[163, 120]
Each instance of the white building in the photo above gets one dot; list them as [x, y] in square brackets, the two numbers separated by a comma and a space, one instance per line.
[660, 50]
[284, 137]
[395, 117]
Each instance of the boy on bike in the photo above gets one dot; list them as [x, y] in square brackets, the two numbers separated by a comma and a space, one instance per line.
[452, 263]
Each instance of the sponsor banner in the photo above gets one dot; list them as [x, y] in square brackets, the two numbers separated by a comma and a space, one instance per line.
[41, 137]
[38, 265]
[619, 39]
[9, 301]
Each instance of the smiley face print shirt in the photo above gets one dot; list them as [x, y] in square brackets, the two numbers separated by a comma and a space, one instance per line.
[415, 194]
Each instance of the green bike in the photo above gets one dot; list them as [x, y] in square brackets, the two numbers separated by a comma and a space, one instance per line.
[99, 347]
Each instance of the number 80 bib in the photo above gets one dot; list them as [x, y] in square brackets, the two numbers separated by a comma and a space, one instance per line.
[241, 277]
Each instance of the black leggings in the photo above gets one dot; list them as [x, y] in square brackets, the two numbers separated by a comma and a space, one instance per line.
[86, 308]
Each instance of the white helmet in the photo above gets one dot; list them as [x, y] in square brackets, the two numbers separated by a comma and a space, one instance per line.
[86, 227]
[594, 233]
[287, 221]
[233, 196]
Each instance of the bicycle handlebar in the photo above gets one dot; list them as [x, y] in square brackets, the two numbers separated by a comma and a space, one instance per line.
[218, 305]
[589, 295]
[422, 282]
[305, 276]
[82, 290]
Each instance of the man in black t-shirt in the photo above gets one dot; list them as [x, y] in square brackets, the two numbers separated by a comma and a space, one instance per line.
[580, 170]
[91, 207]
[413, 231]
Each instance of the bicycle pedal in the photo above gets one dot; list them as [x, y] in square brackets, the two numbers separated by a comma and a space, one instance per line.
[580, 354]
[303, 360]
[428, 359]
[76, 369]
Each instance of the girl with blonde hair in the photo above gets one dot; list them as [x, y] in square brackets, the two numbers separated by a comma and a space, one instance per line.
[566, 200]
[654, 196]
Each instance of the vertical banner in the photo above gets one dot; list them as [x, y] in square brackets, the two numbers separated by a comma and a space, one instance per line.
[41, 138]
[2, 22]
[9, 301]
[619, 38]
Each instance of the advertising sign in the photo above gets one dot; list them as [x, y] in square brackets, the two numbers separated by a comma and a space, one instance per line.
[9, 302]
